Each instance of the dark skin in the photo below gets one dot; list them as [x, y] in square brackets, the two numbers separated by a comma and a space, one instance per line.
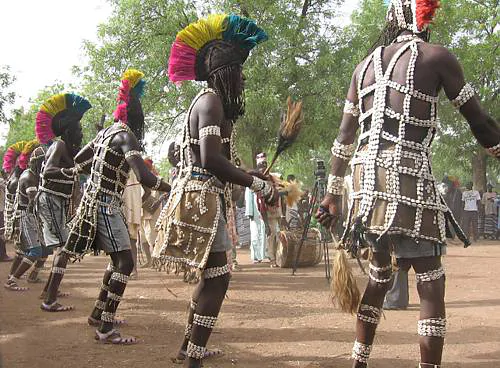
[123, 260]
[213, 156]
[436, 69]
[14, 180]
[27, 180]
[12, 188]
[60, 155]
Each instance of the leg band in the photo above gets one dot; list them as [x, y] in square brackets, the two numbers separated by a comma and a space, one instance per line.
[119, 277]
[28, 261]
[99, 304]
[361, 352]
[211, 273]
[111, 268]
[431, 275]
[58, 270]
[435, 327]
[187, 331]
[378, 270]
[195, 351]
[104, 287]
[107, 317]
[369, 314]
[204, 321]
[115, 297]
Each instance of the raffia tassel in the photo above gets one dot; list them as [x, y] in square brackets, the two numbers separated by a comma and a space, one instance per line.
[344, 288]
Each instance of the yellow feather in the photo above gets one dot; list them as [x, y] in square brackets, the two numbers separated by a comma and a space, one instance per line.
[199, 33]
[55, 104]
[30, 146]
[133, 76]
[18, 146]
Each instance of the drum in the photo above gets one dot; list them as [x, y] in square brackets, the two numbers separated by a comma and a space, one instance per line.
[311, 253]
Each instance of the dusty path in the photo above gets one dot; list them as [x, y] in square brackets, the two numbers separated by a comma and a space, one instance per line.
[270, 320]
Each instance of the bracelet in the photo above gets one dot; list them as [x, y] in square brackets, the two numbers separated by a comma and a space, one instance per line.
[69, 176]
[335, 185]
[343, 151]
[257, 185]
[464, 96]
[351, 108]
[494, 151]
[158, 183]
[209, 130]
[267, 190]
[133, 153]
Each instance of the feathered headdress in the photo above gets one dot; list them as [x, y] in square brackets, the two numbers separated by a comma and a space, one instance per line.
[24, 158]
[57, 113]
[11, 156]
[192, 46]
[422, 11]
[132, 82]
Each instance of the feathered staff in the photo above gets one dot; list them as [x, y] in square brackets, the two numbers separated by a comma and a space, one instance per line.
[291, 122]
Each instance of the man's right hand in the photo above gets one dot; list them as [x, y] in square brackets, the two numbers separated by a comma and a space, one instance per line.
[329, 211]
[259, 175]
[274, 197]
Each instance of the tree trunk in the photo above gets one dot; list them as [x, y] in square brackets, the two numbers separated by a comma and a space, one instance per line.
[479, 170]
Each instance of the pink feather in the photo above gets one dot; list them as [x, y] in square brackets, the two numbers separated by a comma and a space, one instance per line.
[43, 127]
[9, 160]
[120, 113]
[182, 62]
[23, 160]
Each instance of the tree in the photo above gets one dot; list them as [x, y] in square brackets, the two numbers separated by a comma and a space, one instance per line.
[470, 30]
[298, 60]
[7, 97]
[22, 122]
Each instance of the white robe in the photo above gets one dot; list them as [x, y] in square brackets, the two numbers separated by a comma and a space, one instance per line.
[258, 238]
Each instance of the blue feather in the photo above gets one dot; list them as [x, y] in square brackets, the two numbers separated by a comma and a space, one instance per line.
[139, 88]
[78, 103]
[244, 32]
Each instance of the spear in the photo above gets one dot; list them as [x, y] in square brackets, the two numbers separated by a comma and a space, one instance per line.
[290, 126]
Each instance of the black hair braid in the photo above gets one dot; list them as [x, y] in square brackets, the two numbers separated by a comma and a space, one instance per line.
[392, 30]
[136, 119]
[226, 82]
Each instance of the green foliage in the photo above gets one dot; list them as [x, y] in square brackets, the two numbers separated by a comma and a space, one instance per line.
[308, 56]
[22, 122]
[6, 97]
[470, 30]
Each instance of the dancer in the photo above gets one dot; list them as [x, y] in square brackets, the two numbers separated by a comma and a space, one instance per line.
[12, 168]
[4, 257]
[60, 117]
[98, 223]
[151, 207]
[396, 204]
[192, 234]
[29, 238]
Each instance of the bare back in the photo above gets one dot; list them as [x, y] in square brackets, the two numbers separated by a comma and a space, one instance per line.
[412, 88]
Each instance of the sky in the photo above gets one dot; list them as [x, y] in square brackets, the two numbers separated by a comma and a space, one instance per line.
[42, 40]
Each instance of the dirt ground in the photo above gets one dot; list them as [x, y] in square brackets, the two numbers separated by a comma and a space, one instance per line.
[270, 319]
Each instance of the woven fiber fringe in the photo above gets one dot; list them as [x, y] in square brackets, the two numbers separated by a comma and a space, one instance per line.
[190, 274]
